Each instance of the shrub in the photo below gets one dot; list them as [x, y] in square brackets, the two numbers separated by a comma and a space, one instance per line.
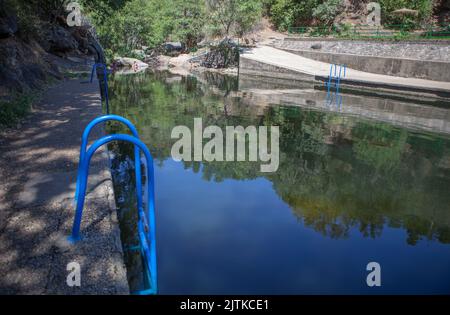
[12, 111]
[286, 13]
[327, 11]
[233, 17]
[424, 8]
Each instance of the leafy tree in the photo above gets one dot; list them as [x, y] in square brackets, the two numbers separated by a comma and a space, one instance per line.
[233, 16]
[132, 25]
[326, 12]
[285, 13]
[424, 8]
[181, 20]
[124, 26]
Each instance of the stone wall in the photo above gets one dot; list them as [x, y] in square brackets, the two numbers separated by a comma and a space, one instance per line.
[427, 51]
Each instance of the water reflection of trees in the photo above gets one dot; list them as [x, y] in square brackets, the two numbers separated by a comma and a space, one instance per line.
[337, 173]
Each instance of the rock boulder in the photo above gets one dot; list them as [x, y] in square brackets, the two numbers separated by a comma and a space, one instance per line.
[173, 48]
[224, 55]
[129, 63]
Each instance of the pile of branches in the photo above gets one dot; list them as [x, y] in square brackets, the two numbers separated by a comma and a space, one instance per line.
[223, 55]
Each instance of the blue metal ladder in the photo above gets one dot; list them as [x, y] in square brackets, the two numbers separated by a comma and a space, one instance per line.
[336, 76]
[146, 223]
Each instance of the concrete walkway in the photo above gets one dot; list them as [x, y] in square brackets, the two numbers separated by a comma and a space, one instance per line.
[285, 60]
[38, 166]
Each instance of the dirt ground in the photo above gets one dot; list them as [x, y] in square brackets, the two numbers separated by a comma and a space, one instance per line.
[38, 168]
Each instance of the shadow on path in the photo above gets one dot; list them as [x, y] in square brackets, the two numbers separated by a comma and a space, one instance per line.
[38, 168]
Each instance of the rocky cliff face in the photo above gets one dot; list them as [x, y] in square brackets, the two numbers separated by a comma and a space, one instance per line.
[27, 62]
[23, 66]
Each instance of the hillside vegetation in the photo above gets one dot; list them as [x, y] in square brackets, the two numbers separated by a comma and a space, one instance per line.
[285, 13]
[125, 25]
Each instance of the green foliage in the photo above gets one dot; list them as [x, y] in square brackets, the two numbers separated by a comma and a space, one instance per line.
[124, 26]
[189, 19]
[233, 17]
[286, 13]
[327, 11]
[282, 14]
[100, 11]
[291, 13]
[424, 8]
[345, 30]
[12, 111]
[128, 28]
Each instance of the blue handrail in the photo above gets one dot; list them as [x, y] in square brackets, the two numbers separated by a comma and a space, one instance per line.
[84, 142]
[330, 76]
[338, 84]
[146, 223]
[105, 75]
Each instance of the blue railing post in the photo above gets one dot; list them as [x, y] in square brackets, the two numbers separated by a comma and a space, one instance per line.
[329, 78]
[105, 75]
[339, 79]
[94, 68]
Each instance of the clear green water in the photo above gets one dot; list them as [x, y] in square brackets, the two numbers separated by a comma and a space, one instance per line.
[354, 185]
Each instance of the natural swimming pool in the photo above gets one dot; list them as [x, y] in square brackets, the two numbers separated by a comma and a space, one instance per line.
[360, 181]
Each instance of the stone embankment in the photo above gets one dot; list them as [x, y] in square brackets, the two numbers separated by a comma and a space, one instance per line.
[427, 51]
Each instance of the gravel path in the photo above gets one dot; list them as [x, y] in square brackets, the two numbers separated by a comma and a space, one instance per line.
[37, 180]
